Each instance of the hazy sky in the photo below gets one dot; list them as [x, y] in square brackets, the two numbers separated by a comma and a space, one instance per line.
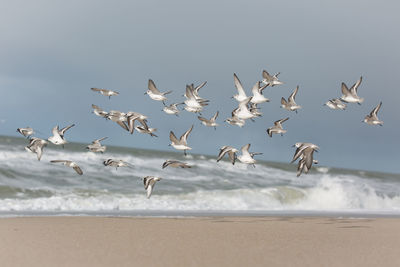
[53, 52]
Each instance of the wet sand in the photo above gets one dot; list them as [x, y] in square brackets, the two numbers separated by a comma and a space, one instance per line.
[200, 241]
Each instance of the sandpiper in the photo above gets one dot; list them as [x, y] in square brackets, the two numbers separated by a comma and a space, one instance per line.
[154, 93]
[291, 103]
[258, 97]
[372, 118]
[180, 144]
[58, 135]
[277, 128]
[175, 164]
[231, 153]
[270, 80]
[247, 157]
[105, 92]
[335, 103]
[350, 95]
[241, 93]
[149, 183]
[96, 146]
[27, 132]
[211, 122]
[36, 145]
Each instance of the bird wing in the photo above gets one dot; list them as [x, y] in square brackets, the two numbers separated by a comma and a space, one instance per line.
[186, 134]
[266, 75]
[345, 90]
[279, 122]
[245, 150]
[39, 152]
[283, 101]
[223, 151]
[63, 130]
[238, 85]
[202, 119]
[96, 89]
[232, 156]
[152, 87]
[77, 169]
[123, 125]
[215, 116]
[355, 86]
[374, 112]
[166, 163]
[173, 138]
[55, 131]
[197, 88]
[293, 95]
[59, 161]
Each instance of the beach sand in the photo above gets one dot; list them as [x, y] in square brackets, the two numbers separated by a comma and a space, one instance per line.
[199, 241]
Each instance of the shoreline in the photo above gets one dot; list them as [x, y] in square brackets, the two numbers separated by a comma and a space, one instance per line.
[199, 241]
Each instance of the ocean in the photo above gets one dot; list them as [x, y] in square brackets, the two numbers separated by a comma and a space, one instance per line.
[29, 186]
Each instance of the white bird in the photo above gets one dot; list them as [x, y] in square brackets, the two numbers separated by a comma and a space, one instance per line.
[175, 164]
[146, 130]
[372, 118]
[350, 95]
[246, 156]
[36, 145]
[231, 153]
[306, 160]
[335, 103]
[105, 92]
[180, 144]
[300, 147]
[172, 109]
[96, 146]
[192, 104]
[243, 112]
[58, 135]
[255, 110]
[119, 117]
[69, 164]
[154, 93]
[277, 128]
[211, 122]
[291, 103]
[241, 93]
[195, 90]
[135, 116]
[115, 163]
[270, 80]
[149, 183]
[26, 132]
[258, 97]
[234, 120]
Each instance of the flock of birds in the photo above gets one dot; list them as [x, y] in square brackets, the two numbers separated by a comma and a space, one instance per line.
[247, 109]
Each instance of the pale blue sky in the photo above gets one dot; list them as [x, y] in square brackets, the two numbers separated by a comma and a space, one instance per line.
[53, 52]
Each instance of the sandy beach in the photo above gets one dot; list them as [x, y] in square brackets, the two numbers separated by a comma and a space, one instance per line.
[200, 241]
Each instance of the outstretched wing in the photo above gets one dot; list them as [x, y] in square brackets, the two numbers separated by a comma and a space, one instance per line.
[245, 150]
[355, 86]
[238, 85]
[279, 122]
[374, 112]
[78, 169]
[215, 116]
[63, 130]
[293, 95]
[173, 138]
[152, 87]
[266, 75]
[186, 134]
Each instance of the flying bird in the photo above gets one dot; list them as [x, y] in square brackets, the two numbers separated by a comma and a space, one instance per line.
[270, 80]
[149, 183]
[96, 146]
[335, 103]
[290, 104]
[372, 118]
[350, 95]
[105, 92]
[154, 93]
[115, 163]
[247, 157]
[231, 153]
[180, 144]
[241, 95]
[211, 122]
[175, 164]
[58, 135]
[277, 128]
[26, 132]
[69, 164]
[36, 145]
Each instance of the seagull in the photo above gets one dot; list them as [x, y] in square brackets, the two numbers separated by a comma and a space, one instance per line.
[180, 144]
[241, 93]
[27, 132]
[247, 157]
[258, 97]
[372, 118]
[99, 112]
[175, 164]
[243, 112]
[36, 145]
[270, 80]
[291, 104]
[69, 164]
[211, 122]
[172, 109]
[146, 130]
[335, 103]
[105, 92]
[350, 95]
[96, 146]
[149, 183]
[155, 94]
[58, 135]
[192, 104]
[231, 153]
[277, 128]
[115, 163]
